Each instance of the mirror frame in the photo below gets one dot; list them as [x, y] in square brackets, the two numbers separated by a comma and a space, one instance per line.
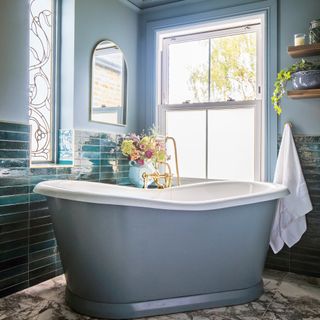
[125, 88]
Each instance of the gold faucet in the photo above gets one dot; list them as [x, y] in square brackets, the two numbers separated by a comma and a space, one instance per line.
[157, 176]
[167, 176]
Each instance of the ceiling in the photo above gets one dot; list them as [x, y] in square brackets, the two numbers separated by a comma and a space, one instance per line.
[145, 4]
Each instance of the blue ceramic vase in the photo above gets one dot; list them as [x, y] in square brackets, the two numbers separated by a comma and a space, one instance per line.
[136, 171]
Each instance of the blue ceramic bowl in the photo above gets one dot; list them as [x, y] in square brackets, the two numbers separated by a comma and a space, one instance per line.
[306, 79]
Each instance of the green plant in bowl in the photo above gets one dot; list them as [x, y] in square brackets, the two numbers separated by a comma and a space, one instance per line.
[285, 75]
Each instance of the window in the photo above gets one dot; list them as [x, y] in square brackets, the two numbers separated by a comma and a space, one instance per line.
[211, 99]
[42, 79]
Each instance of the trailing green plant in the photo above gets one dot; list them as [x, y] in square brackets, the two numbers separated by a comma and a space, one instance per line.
[280, 85]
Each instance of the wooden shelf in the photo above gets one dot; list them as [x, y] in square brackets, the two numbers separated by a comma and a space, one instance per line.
[304, 94]
[304, 51]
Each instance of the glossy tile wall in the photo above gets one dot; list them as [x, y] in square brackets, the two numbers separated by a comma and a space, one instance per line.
[304, 257]
[28, 249]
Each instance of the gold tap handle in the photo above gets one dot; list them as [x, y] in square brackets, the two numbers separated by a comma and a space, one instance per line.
[175, 156]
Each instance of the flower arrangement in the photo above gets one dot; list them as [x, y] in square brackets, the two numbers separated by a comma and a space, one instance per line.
[144, 148]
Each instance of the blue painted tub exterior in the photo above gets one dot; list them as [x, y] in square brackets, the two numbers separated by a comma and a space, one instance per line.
[125, 262]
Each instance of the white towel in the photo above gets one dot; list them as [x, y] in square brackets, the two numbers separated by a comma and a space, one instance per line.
[290, 222]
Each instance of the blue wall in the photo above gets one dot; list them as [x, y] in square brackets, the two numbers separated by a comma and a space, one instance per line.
[207, 11]
[295, 16]
[96, 20]
[84, 24]
[14, 60]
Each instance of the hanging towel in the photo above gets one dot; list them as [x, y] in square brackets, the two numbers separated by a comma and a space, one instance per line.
[290, 221]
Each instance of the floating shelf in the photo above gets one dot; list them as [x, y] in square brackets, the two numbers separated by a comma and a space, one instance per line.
[304, 51]
[304, 94]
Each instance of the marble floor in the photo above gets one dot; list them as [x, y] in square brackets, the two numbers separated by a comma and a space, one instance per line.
[287, 297]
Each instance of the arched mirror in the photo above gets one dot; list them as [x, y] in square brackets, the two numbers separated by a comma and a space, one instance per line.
[108, 84]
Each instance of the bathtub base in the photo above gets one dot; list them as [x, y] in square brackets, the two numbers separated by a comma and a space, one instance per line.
[165, 306]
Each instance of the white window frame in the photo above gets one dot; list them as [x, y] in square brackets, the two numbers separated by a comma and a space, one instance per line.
[259, 105]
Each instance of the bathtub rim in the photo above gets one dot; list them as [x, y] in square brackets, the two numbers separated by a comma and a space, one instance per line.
[50, 188]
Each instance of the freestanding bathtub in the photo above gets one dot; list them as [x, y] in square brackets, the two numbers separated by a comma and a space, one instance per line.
[131, 252]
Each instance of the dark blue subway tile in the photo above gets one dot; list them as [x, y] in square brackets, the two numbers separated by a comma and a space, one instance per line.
[41, 221]
[14, 208]
[13, 226]
[14, 163]
[15, 127]
[15, 199]
[13, 190]
[37, 197]
[12, 181]
[39, 213]
[42, 171]
[42, 275]
[13, 217]
[13, 145]
[44, 262]
[14, 271]
[7, 173]
[14, 235]
[39, 205]
[38, 238]
[41, 254]
[14, 136]
[12, 281]
[39, 246]
[13, 289]
[14, 154]
[90, 148]
[8, 264]
[14, 253]
[15, 244]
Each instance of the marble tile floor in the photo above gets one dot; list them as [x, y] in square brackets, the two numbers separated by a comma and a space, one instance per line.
[287, 297]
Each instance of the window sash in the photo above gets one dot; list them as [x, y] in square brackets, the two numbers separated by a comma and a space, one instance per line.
[246, 28]
[253, 104]
[257, 104]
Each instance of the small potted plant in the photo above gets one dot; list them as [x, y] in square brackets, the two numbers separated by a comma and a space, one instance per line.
[304, 75]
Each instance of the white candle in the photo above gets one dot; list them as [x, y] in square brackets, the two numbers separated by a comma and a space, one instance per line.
[299, 39]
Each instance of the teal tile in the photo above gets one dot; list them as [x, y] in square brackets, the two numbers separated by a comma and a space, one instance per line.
[14, 154]
[15, 235]
[12, 173]
[37, 197]
[42, 171]
[14, 271]
[13, 190]
[91, 148]
[13, 181]
[15, 127]
[14, 217]
[13, 208]
[9, 282]
[16, 199]
[14, 136]
[13, 226]
[14, 145]
[14, 163]
[34, 247]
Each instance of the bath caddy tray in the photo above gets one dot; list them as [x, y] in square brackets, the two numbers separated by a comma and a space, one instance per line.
[304, 94]
[307, 50]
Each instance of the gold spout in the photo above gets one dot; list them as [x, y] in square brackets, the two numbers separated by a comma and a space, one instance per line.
[175, 156]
